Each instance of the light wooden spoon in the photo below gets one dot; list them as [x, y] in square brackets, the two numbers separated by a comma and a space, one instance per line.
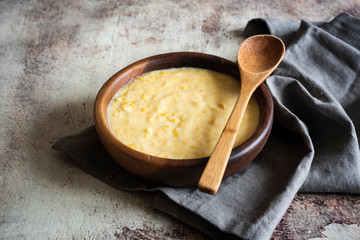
[258, 57]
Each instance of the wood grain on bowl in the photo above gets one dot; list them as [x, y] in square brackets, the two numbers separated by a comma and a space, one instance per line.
[177, 172]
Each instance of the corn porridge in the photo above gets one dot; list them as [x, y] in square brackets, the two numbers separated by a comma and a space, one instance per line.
[178, 113]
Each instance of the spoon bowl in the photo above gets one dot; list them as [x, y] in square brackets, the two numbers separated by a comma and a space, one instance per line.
[260, 53]
[258, 57]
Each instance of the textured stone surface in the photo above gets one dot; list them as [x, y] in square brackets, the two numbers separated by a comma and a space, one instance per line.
[336, 231]
[54, 57]
[309, 214]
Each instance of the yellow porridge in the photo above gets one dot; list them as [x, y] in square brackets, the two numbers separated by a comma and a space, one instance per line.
[178, 113]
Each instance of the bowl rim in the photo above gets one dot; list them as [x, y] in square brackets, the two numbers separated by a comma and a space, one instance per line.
[101, 122]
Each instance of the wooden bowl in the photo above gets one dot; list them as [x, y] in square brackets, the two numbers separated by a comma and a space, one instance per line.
[177, 172]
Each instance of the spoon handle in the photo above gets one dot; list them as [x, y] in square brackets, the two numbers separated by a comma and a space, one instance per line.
[214, 170]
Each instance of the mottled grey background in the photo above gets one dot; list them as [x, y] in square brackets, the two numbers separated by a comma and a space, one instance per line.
[55, 56]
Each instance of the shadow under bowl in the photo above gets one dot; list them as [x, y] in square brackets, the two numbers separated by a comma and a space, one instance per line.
[177, 172]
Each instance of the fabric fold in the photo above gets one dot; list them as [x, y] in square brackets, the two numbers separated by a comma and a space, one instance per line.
[313, 146]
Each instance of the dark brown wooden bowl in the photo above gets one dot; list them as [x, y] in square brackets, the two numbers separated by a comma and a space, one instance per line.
[177, 172]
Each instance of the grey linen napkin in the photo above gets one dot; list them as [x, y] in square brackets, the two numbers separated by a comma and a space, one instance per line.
[313, 146]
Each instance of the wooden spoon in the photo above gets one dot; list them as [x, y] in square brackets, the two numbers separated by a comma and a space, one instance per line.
[258, 57]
